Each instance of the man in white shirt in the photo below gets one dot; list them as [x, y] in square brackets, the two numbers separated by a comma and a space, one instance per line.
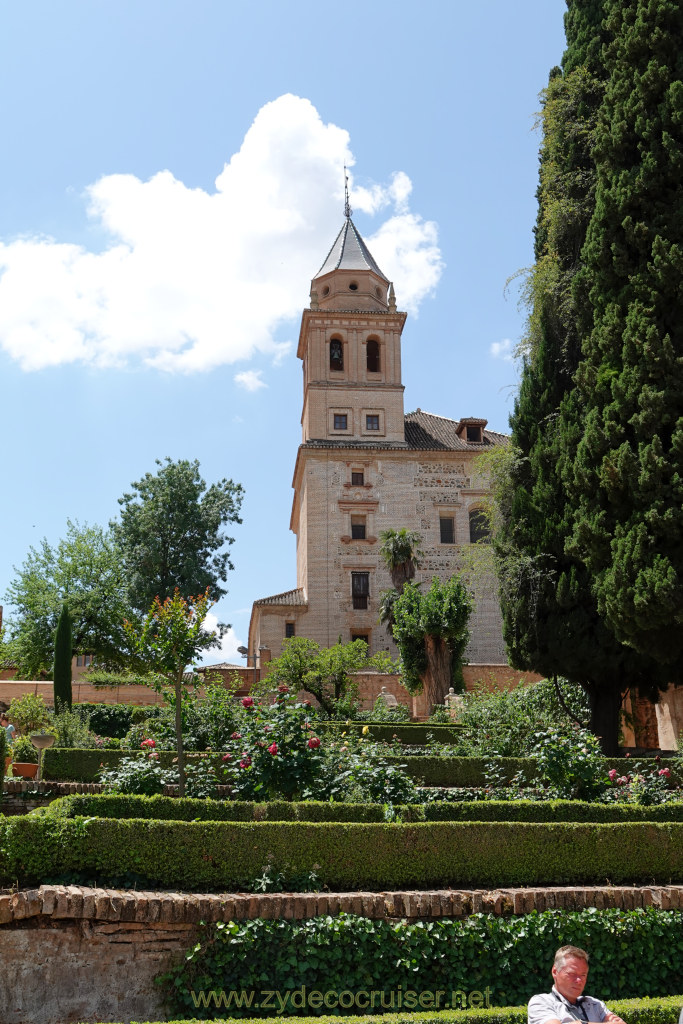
[566, 1002]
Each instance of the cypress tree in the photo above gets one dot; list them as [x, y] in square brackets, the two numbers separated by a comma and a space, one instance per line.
[550, 616]
[627, 477]
[62, 666]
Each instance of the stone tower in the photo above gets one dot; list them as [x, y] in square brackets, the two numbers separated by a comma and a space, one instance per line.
[364, 466]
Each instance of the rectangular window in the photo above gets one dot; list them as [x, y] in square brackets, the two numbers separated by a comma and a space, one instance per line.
[340, 421]
[289, 630]
[360, 589]
[361, 636]
[358, 479]
[372, 421]
[79, 661]
[447, 526]
[358, 527]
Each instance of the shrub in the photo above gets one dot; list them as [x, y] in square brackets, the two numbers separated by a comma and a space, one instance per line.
[573, 766]
[504, 722]
[357, 955]
[218, 855]
[107, 719]
[28, 712]
[139, 775]
[71, 729]
[23, 751]
[168, 808]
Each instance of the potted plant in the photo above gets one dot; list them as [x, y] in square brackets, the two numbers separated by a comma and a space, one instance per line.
[24, 758]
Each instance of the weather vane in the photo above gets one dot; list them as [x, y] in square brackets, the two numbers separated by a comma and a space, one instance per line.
[347, 205]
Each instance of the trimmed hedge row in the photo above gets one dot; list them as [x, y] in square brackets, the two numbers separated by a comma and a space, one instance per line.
[416, 733]
[164, 808]
[664, 1010]
[217, 855]
[501, 961]
[61, 764]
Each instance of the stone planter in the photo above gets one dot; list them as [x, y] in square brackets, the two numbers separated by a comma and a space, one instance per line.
[24, 770]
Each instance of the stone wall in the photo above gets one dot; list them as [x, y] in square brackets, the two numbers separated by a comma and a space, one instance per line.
[71, 953]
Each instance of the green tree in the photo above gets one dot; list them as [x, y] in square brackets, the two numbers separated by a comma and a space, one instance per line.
[171, 533]
[86, 571]
[431, 633]
[61, 677]
[327, 673]
[551, 620]
[627, 411]
[171, 637]
[400, 552]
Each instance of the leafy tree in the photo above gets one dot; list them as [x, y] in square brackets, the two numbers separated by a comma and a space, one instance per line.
[551, 620]
[431, 633]
[400, 552]
[61, 678]
[627, 412]
[169, 639]
[170, 532]
[85, 570]
[325, 672]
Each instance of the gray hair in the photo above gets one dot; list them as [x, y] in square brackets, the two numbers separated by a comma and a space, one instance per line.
[565, 952]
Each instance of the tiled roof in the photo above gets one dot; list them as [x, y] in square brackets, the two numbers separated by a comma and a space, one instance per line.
[428, 432]
[349, 252]
[289, 597]
[338, 442]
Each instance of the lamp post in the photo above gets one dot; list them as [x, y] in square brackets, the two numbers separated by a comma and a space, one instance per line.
[244, 652]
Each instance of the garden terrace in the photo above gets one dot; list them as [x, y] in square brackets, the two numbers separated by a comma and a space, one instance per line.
[214, 855]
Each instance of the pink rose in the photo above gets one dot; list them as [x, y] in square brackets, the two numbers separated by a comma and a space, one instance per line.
[235, 735]
[665, 772]
[272, 749]
[283, 689]
[245, 762]
[247, 702]
[613, 774]
[227, 757]
[314, 743]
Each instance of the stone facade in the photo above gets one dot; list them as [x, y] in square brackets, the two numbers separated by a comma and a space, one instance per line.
[364, 467]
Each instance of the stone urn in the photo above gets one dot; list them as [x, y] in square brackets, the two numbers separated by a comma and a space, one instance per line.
[41, 741]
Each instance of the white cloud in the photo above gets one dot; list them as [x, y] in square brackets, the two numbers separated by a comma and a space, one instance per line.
[502, 350]
[250, 380]
[193, 279]
[228, 647]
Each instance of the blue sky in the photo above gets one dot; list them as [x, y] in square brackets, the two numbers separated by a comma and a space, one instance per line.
[171, 181]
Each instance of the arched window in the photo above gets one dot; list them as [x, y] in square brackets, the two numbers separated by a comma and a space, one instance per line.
[336, 354]
[372, 355]
[480, 532]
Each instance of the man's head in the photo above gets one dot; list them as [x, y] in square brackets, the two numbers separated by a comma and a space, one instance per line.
[570, 972]
[4, 720]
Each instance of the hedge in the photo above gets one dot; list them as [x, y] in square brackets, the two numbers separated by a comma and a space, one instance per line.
[657, 1011]
[344, 856]
[164, 808]
[416, 733]
[61, 764]
[114, 719]
[481, 954]
[664, 1010]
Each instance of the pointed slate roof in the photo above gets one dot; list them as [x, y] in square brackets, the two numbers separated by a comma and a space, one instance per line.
[349, 252]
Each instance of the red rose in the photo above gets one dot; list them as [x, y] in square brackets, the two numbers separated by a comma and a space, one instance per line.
[314, 743]
[235, 735]
[283, 689]
[272, 749]
[247, 702]
[245, 762]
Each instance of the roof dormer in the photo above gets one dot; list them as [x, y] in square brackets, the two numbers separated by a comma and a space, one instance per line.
[471, 429]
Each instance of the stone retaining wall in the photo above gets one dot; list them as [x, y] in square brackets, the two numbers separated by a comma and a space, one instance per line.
[71, 953]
